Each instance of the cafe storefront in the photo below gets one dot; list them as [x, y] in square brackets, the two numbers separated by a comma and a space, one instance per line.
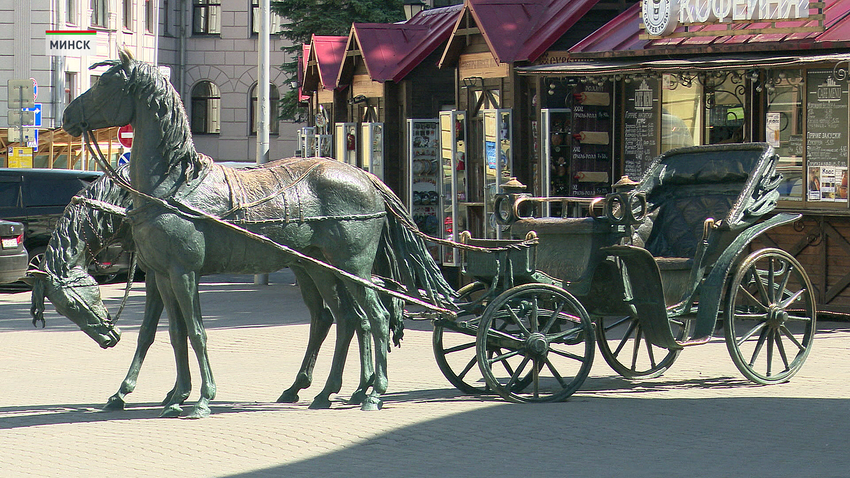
[783, 82]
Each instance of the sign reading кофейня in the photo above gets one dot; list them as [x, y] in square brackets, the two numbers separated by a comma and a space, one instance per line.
[71, 42]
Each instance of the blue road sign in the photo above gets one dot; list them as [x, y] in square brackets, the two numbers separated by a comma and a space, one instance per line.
[124, 159]
[37, 110]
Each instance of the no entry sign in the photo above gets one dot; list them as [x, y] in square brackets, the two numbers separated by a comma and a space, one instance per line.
[125, 136]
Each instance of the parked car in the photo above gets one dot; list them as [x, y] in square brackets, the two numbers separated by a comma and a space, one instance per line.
[37, 199]
[13, 254]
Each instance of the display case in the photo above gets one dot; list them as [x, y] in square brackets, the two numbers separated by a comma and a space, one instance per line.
[453, 182]
[345, 143]
[305, 136]
[425, 178]
[498, 165]
[555, 146]
[372, 148]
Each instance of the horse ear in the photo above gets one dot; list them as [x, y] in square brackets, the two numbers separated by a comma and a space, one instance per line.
[126, 57]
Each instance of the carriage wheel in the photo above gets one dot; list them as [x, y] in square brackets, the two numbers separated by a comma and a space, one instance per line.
[770, 316]
[455, 350]
[535, 344]
[633, 356]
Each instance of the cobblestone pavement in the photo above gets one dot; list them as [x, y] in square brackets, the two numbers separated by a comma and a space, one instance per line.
[702, 418]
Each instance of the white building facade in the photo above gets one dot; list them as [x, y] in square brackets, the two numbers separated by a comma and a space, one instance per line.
[208, 47]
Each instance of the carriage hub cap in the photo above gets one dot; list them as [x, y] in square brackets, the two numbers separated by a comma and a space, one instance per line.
[537, 344]
[776, 316]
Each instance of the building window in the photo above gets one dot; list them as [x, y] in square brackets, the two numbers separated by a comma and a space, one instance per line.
[681, 121]
[166, 17]
[274, 20]
[99, 13]
[725, 108]
[274, 98]
[206, 108]
[148, 16]
[784, 129]
[206, 17]
[128, 14]
[70, 87]
[71, 11]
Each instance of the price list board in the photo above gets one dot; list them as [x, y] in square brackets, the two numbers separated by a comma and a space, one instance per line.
[640, 123]
[826, 137]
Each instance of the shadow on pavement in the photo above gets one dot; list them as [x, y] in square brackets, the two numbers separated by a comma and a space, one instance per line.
[599, 437]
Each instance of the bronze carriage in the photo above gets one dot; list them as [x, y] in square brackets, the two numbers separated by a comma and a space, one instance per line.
[648, 272]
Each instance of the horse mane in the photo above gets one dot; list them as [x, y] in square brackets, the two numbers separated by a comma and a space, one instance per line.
[147, 84]
[80, 225]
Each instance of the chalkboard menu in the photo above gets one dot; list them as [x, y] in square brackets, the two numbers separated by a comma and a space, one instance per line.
[826, 137]
[641, 119]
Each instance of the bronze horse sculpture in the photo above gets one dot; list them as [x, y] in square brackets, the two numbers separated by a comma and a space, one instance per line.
[324, 209]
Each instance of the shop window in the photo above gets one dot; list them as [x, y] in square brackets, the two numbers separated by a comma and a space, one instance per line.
[784, 128]
[206, 17]
[725, 107]
[206, 108]
[274, 99]
[681, 118]
[826, 142]
[99, 13]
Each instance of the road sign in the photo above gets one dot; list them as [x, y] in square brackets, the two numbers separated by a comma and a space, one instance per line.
[124, 159]
[70, 42]
[125, 136]
[36, 110]
[20, 157]
[20, 94]
[23, 135]
[21, 117]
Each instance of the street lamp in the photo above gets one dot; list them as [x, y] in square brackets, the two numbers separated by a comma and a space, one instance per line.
[412, 7]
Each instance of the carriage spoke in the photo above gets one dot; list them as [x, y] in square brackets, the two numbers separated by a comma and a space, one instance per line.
[761, 287]
[515, 375]
[555, 372]
[649, 351]
[566, 354]
[504, 357]
[501, 336]
[517, 321]
[638, 337]
[782, 287]
[748, 294]
[759, 345]
[573, 332]
[791, 337]
[787, 302]
[771, 275]
[459, 348]
[625, 338]
[533, 317]
[551, 321]
[781, 349]
[770, 336]
[468, 367]
[617, 323]
[752, 331]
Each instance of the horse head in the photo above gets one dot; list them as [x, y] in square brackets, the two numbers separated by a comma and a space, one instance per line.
[108, 103]
[77, 297]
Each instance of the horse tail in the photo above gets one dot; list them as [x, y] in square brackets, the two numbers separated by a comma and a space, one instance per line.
[404, 259]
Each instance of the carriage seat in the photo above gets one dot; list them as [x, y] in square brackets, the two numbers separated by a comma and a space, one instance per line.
[680, 198]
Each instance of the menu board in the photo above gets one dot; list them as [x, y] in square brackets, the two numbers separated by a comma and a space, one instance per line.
[826, 137]
[641, 118]
[590, 151]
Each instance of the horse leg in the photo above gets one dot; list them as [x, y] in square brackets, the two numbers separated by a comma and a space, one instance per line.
[147, 332]
[186, 291]
[321, 320]
[375, 319]
[337, 297]
[177, 333]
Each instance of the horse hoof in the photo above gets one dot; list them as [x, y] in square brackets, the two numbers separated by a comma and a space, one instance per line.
[372, 404]
[199, 411]
[169, 398]
[358, 398]
[320, 403]
[288, 397]
[171, 411]
[114, 404]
